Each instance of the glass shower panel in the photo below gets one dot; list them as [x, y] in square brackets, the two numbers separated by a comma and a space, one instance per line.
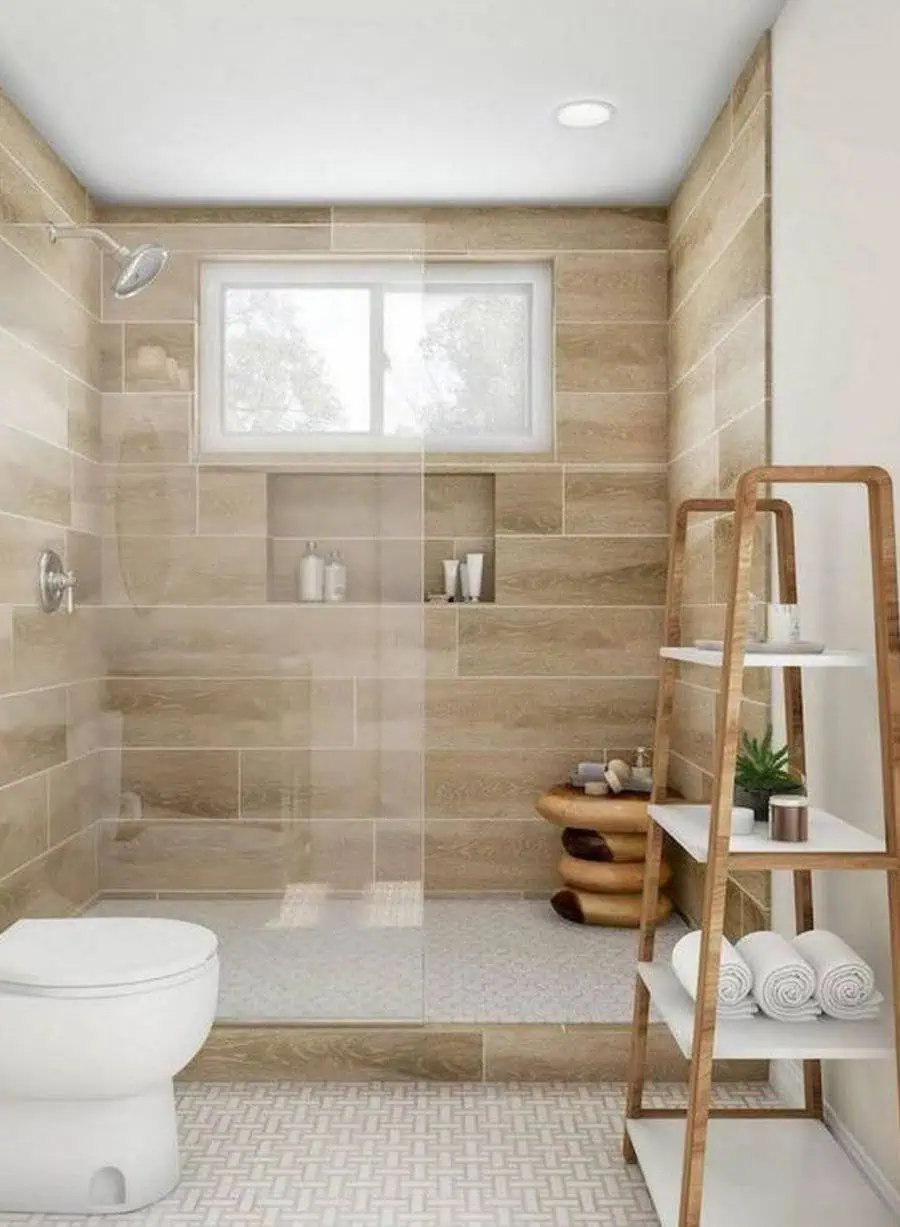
[272, 750]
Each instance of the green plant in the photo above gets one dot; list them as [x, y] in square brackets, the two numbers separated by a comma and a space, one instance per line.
[760, 768]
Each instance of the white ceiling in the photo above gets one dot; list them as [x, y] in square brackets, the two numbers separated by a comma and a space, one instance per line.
[313, 101]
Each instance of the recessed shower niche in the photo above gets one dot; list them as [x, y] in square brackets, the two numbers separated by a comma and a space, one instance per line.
[393, 530]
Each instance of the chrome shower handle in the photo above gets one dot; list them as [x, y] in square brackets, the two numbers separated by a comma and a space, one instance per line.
[55, 583]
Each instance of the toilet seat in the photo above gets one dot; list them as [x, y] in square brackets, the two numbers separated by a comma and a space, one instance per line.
[102, 956]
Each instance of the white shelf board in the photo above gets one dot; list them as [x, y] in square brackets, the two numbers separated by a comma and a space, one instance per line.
[764, 1038]
[760, 1173]
[689, 826]
[771, 660]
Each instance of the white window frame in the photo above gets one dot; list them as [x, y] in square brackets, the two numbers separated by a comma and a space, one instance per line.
[217, 277]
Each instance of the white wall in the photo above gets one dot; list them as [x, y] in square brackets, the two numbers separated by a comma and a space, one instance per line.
[836, 399]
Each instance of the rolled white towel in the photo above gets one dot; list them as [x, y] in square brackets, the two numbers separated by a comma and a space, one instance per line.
[784, 984]
[845, 983]
[735, 977]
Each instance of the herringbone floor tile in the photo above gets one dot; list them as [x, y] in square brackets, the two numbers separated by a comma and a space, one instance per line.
[422, 1155]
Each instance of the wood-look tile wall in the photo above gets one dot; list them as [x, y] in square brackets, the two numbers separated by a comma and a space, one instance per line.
[719, 381]
[270, 743]
[52, 771]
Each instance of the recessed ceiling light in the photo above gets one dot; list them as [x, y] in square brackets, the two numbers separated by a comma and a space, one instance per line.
[585, 113]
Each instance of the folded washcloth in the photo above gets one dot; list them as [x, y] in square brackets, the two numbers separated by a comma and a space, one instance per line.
[784, 984]
[845, 983]
[735, 977]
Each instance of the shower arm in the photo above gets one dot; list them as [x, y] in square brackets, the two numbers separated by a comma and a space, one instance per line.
[87, 232]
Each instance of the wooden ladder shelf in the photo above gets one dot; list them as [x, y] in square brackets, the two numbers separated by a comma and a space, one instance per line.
[772, 1167]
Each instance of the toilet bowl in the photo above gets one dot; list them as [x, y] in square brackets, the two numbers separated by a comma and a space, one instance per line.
[97, 1016]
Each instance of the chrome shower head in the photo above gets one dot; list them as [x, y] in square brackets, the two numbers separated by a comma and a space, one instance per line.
[138, 265]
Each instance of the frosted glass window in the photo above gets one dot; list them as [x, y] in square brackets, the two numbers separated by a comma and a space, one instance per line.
[380, 357]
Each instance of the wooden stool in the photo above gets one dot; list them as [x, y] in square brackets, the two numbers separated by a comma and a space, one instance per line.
[604, 845]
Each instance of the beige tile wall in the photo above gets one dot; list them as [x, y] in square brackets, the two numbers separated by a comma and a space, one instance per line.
[51, 768]
[719, 376]
[270, 743]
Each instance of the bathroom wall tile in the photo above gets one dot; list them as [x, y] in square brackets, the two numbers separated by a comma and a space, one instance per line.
[441, 641]
[34, 477]
[58, 884]
[484, 785]
[24, 202]
[752, 84]
[436, 550]
[200, 571]
[33, 396]
[614, 428]
[581, 1053]
[146, 429]
[539, 713]
[339, 1054]
[742, 366]
[331, 785]
[23, 823]
[459, 505]
[705, 163]
[175, 784]
[695, 474]
[159, 357]
[50, 650]
[84, 419]
[611, 358]
[692, 407]
[6, 641]
[699, 555]
[84, 556]
[609, 503]
[88, 495]
[694, 724]
[233, 713]
[203, 855]
[390, 713]
[73, 789]
[32, 733]
[732, 287]
[21, 541]
[513, 229]
[224, 238]
[32, 152]
[317, 505]
[400, 851]
[74, 267]
[499, 855]
[743, 444]
[42, 315]
[231, 501]
[274, 640]
[738, 188]
[379, 571]
[88, 725]
[690, 782]
[107, 364]
[616, 285]
[339, 854]
[529, 502]
[211, 216]
[581, 571]
[598, 642]
[171, 297]
[149, 499]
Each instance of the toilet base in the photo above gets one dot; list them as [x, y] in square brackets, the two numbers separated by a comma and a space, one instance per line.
[88, 1156]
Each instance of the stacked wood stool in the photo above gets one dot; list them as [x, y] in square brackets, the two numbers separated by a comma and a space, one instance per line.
[604, 843]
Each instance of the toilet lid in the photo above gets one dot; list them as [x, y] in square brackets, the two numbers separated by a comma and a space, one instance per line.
[97, 952]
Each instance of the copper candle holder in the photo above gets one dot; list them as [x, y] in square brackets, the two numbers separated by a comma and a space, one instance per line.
[789, 819]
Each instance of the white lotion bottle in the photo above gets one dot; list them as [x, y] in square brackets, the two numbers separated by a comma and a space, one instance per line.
[311, 574]
[475, 570]
[335, 578]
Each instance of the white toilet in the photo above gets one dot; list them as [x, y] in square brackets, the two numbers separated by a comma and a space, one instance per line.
[96, 1018]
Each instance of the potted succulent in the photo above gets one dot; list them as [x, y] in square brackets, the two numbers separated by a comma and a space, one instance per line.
[762, 771]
